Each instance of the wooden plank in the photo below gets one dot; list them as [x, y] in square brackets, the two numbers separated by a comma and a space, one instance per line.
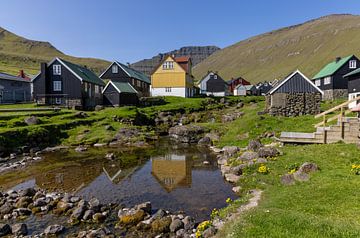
[299, 135]
[55, 109]
[332, 119]
[337, 107]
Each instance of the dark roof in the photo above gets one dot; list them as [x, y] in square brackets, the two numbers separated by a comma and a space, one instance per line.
[84, 73]
[121, 87]
[134, 73]
[12, 78]
[332, 67]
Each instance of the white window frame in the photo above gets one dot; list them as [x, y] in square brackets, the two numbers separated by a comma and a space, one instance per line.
[86, 86]
[58, 100]
[57, 86]
[168, 65]
[352, 64]
[115, 69]
[97, 89]
[318, 82]
[90, 90]
[168, 89]
[56, 69]
[215, 76]
[327, 80]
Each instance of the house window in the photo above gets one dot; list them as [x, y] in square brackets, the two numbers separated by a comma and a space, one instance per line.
[57, 86]
[97, 89]
[115, 69]
[168, 65]
[318, 82]
[215, 76]
[139, 83]
[56, 69]
[90, 89]
[57, 100]
[327, 80]
[352, 64]
[168, 90]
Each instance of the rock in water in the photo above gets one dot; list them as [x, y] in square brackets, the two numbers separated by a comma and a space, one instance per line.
[5, 229]
[186, 134]
[176, 225]
[54, 230]
[19, 229]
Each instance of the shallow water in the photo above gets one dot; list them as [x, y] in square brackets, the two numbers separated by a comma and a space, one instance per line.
[170, 176]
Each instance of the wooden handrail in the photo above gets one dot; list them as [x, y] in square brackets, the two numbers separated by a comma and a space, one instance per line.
[332, 118]
[337, 107]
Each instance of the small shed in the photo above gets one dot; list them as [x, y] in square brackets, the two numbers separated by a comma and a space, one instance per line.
[14, 89]
[120, 94]
[295, 95]
[245, 90]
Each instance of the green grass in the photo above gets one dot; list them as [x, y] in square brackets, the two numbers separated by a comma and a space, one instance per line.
[325, 206]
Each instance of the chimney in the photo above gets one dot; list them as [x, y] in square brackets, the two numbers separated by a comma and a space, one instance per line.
[21, 74]
[43, 69]
[337, 59]
[128, 64]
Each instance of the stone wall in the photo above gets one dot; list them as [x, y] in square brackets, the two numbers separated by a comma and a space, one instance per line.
[335, 93]
[293, 104]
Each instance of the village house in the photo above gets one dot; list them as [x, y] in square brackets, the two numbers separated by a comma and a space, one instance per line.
[14, 89]
[119, 94]
[118, 72]
[233, 83]
[294, 96]
[245, 90]
[353, 86]
[263, 88]
[330, 78]
[212, 84]
[173, 77]
[66, 84]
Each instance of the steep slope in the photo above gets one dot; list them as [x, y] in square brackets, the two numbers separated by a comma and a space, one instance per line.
[197, 53]
[307, 47]
[17, 53]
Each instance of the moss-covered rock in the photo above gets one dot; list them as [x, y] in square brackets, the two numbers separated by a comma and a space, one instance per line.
[161, 225]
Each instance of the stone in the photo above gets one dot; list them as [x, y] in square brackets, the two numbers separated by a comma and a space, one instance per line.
[6, 208]
[54, 230]
[287, 179]
[88, 215]
[29, 192]
[40, 202]
[99, 108]
[189, 223]
[81, 148]
[23, 211]
[301, 176]
[109, 128]
[308, 168]
[33, 120]
[78, 213]
[176, 225]
[237, 170]
[159, 214]
[213, 136]
[221, 160]
[5, 229]
[74, 199]
[130, 216]
[268, 152]
[249, 155]
[209, 232]
[236, 189]
[254, 145]
[187, 133]
[232, 178]
[261, 161]
[98, 217]
[205, 141]
[63, 206]
[19, 229]
[23, 202]
[81, 115]
[146, 207]
[161, 225]
[230, 151]
[94, 204]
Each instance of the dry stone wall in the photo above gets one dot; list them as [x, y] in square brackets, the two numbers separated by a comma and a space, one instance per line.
[335, 93]
[293, 104]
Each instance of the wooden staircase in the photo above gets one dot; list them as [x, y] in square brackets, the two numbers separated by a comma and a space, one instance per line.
[347, 129]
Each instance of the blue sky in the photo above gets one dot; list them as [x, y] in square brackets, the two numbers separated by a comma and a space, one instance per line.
[130, 30]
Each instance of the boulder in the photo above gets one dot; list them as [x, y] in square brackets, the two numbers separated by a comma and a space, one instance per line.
[237, 170]
[301, 176]
[81, 115]
[268, 152]
[230, 151]
[189, 223]
[19, 229]
[5, 229]
[159, 214]
[94, 204]
[88, 215]
[187, 133]
[6, 208]
[232, 178]
[33, 120]
[29, 192]
[209, 232]
[63, 206]
[23, 211]
[161, 225]
[176, 225]
[23, 202]
[254, 145]
[249, 155]
[99, 108]
[308, 168]
[213, 136]
[205, 141]
[146, 207]
[236, 189]
[40, 202]
[78, 213]
[287, 179]
[130, 216]
[54, 230]
[98, 217]
[81, 148]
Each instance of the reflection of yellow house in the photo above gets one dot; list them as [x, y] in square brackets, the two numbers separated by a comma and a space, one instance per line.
[173, 77]
[172, 171]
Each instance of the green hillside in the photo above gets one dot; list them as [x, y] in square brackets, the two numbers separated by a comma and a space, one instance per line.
[307, 47]
[18, 53]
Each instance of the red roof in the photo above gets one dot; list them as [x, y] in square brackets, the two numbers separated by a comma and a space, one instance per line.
[182, 59]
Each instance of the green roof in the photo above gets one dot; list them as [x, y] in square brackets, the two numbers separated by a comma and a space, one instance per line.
[356, 71]
[134, 73]
[332, 67]
[124, 87]
[84, 73]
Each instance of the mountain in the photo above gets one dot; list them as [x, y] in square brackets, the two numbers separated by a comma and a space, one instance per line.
[197, 53]
[307, 47]
[18, 53]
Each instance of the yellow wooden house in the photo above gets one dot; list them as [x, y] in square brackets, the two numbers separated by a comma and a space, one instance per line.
[173, 77]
